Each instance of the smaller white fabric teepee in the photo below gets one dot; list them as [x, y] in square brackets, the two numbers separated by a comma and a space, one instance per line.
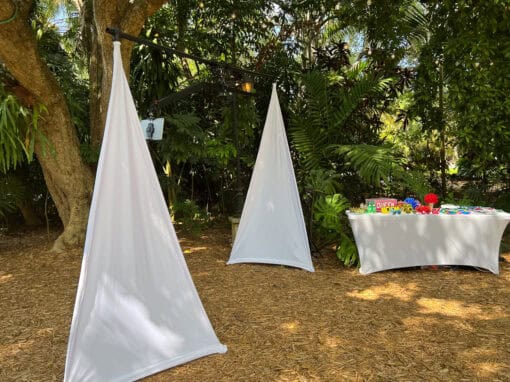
[272, 228]
[137, 311]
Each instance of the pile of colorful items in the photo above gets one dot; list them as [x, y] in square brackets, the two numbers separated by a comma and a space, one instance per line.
[390, 206]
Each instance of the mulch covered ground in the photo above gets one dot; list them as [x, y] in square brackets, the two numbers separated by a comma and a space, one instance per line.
[279, 323]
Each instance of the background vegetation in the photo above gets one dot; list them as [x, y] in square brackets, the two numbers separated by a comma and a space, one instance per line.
[395, 98]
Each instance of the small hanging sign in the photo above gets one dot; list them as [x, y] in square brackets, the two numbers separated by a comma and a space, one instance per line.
[152, 128]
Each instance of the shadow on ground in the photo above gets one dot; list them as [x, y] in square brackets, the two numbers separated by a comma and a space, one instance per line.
[279, 323]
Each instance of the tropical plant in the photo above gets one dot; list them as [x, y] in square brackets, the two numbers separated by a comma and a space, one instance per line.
[335, 129]
[19, 131]
[191, 217]
[11, 194]
[379, 165]
[329, 216]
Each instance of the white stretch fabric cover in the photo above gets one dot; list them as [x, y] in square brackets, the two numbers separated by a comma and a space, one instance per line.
[137, 311]
[398, 241]
[272, 228]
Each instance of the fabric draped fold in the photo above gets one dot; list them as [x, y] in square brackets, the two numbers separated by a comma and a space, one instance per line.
[272, 228]
[137, 311]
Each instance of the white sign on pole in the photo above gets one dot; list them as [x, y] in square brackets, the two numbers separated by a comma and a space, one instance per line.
[152, 128]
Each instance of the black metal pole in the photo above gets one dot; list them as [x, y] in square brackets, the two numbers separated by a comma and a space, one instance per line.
[117, 33]
[239, 187]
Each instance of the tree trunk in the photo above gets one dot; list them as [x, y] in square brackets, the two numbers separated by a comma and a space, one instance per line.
[130, 18]
[68, 179]
[25, 205]
[29, 215]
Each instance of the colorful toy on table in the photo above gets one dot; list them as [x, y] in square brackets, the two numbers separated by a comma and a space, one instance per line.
[371, 209]
[412, 202]
[451, 209]
[391, 210]
[430, 200]
[423, 210]
[358, 210]
[405, 208]
[381, 202]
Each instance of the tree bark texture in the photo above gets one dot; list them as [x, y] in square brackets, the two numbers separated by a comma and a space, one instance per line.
[130, 18]
[68, 179]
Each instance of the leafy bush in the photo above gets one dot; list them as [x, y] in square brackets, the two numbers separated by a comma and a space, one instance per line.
[191, 217]
[11, 193]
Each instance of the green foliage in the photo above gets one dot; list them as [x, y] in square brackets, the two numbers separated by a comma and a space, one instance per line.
[324, 210]
[183, 140]
[19, 131]
[11, 194]
[12, 147]
[335, 131]
[327, 210]
[192, 218]
[307, 127]
[503, 201]
[324, 115]
[469, 43]
[376, 164]
[373, 163]
[329, 217]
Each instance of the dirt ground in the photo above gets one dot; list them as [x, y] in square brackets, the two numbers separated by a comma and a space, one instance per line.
[279, 323]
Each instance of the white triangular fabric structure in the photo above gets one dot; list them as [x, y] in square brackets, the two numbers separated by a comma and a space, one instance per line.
[137, 311]
[272, 228]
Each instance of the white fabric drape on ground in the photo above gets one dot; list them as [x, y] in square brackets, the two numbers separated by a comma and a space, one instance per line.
[272, 228]
[137, 311]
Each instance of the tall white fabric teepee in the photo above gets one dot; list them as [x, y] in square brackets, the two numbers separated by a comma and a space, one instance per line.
[137, 311]
[272, 228]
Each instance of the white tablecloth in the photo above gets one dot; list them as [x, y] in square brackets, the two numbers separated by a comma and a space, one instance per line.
[398, 241]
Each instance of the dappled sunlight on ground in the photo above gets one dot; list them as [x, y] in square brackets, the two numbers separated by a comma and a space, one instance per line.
[483, 363]
[190, 250]
[279, 323]
[10, 350]
[291, 327]
[459, 309]
[292, 376]
[388, 290]
[5, 277]
[489, 369]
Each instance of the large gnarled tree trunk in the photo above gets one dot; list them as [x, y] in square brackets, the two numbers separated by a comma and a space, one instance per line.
[68, 179]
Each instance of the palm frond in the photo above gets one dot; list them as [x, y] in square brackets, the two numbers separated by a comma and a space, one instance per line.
[310, 121]
[376, 163]
[372, 163]
[351, 99]
[416, 19]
